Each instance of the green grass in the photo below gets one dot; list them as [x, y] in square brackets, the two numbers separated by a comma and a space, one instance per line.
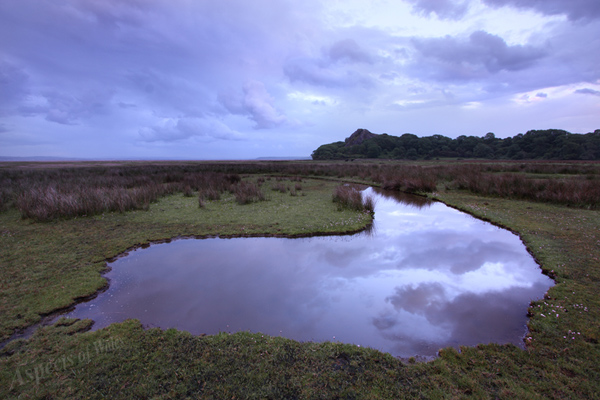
[46, 265]
[565, 326]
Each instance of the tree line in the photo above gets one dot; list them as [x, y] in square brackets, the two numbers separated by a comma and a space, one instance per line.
[550, 144]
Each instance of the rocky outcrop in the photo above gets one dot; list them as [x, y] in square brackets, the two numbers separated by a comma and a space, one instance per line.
[358, 137]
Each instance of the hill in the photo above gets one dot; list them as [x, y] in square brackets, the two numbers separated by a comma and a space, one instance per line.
[550, 144]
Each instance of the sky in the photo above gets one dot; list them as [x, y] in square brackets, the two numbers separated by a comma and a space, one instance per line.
[238, 79]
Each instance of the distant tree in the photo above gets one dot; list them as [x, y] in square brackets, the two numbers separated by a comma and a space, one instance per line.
[483, 151]
[373, 150]
[412, 154]
[399, 152]
[489, 137]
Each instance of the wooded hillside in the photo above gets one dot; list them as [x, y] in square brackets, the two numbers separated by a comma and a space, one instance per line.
[550, 144]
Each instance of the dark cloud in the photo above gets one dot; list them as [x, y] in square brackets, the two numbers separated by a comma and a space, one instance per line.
[588, 91]
[573, 9]
[445, 9]
[477, 57]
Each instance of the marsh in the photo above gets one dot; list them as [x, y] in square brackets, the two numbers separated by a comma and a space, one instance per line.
[425, 276]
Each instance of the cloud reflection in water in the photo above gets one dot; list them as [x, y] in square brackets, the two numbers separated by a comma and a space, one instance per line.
[427, 277]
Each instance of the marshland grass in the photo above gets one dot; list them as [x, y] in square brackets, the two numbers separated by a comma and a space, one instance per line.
[46, 265]
[61, 192]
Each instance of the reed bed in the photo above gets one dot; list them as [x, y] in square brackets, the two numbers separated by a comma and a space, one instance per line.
[45, 194]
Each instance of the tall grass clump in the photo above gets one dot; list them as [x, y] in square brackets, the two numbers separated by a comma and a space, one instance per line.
[369, 204]
[247, 192]
[5, 197]
[346, 196]
[279, 187]
[188, 191]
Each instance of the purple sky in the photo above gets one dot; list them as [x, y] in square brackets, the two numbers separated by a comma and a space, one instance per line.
[231, 79]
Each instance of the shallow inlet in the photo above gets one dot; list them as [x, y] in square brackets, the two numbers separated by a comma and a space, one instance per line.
[424, 277]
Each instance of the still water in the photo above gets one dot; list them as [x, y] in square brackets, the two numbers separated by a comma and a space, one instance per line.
[425, 277]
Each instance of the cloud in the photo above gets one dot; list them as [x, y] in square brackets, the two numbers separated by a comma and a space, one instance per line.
[418, 299]
[67, 108]
[348, 50]
[588, 91]
[13, 86]
[468, 318]
[573, 9]
[178, 129]
[460, 258]
[255, 102]
[311, 71]
[338, 66]
[572, 58]
[445, 9]
[166, 92]
[114, 14]
[130, 65]
[259, 103]
[477, 57]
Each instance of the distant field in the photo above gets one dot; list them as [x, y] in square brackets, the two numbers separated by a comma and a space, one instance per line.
[61, 221]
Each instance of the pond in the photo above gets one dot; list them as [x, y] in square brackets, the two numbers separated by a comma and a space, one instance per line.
[424, 277]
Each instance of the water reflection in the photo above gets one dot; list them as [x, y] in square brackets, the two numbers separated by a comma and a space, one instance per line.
[429, 277]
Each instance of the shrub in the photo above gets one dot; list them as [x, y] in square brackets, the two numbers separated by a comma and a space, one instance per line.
[247, 192]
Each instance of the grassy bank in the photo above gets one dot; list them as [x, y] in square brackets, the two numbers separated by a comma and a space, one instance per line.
[46, 265]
